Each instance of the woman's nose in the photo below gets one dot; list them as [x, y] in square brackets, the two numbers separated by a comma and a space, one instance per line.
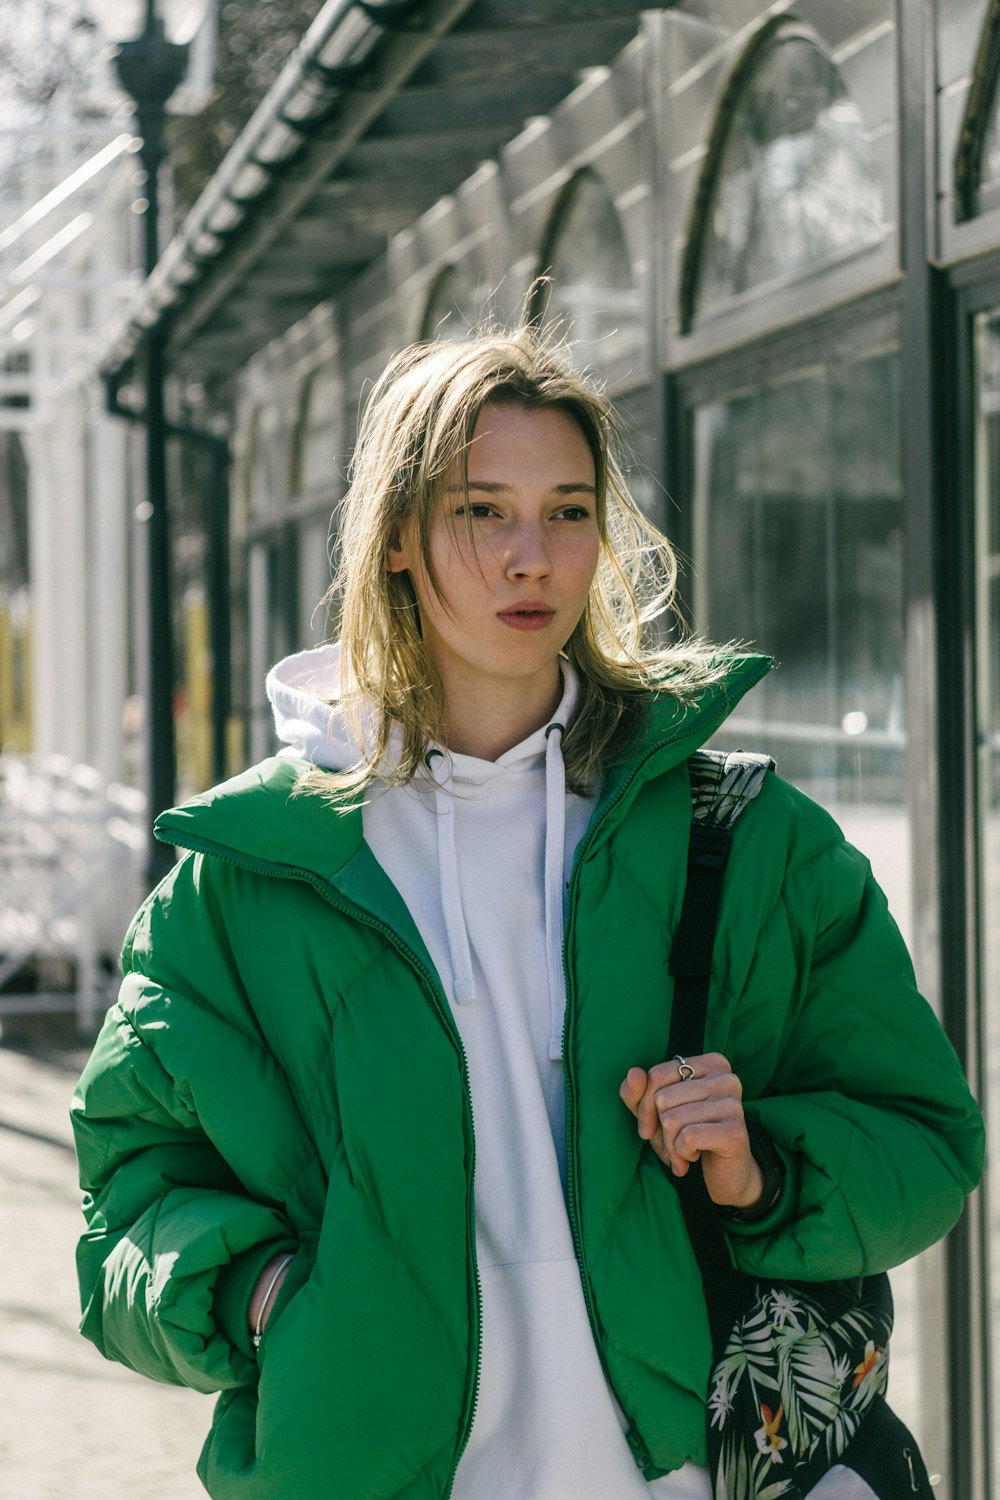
[528, 555]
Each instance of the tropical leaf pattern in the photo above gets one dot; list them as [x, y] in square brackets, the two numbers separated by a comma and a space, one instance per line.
[799, 1371]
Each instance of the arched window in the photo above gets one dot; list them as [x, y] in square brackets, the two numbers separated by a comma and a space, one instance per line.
[591, 288]
[455, 306]
[589, 293]
[977, 160]
[789, 183]
[318, 434]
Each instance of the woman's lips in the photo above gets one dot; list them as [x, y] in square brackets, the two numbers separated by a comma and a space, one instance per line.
[527, 617]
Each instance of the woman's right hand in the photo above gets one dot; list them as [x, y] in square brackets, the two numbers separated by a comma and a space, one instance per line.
[260, 1290]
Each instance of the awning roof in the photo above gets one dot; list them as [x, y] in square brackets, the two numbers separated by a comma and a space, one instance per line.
[385, 106]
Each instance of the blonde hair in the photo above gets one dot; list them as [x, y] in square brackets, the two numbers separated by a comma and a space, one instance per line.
[417, 427]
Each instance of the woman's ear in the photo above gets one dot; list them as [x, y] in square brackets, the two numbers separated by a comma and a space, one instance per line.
[396, 559]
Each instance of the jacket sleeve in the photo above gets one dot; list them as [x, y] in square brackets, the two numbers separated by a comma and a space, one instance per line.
[867, 1103]
[168, 1211]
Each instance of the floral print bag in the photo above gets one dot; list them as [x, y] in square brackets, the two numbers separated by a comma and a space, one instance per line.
[800, 1373]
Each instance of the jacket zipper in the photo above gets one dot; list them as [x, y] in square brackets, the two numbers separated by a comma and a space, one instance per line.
[633, 1436]
[292, 872]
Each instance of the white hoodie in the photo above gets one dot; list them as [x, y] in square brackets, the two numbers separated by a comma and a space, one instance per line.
[482, 854]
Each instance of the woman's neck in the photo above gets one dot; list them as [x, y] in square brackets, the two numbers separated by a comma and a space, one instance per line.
[484, 718]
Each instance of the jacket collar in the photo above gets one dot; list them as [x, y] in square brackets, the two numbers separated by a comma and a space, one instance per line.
[675, 729]
[259, 820]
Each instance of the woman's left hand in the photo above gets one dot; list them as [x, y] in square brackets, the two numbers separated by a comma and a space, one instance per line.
[698, 1118]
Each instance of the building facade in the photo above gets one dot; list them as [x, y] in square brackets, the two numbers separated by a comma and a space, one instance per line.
[774, 231]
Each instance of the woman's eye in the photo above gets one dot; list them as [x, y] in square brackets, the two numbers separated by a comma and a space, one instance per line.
[575, 513]
[478, 510]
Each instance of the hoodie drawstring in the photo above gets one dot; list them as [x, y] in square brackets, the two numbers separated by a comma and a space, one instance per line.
[555, 856]
[460, 952]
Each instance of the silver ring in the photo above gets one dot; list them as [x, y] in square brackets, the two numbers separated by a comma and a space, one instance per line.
[686, 1070]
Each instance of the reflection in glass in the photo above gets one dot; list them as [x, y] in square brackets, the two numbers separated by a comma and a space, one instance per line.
[797, 184]
[988, 730]
[593, 291]
[799, 550]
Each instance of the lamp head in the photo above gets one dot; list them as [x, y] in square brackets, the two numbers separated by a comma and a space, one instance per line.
[150, 44]
[127, 20]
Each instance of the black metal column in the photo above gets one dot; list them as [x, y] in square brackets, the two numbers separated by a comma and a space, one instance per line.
[937, 705]
[150, 69]
[161, 753]
[219, 605]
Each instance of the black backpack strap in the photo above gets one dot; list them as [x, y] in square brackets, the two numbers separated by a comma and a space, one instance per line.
[722, 786]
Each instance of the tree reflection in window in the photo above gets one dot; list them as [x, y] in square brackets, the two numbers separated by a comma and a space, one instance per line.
[790, 182]
[591, 289]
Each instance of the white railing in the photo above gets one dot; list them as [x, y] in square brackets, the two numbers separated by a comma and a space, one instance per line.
[71, 849]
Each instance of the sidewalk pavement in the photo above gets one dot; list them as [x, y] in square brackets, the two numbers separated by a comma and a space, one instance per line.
[72, 1425]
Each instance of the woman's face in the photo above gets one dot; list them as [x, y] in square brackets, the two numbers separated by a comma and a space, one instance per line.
[512, 591]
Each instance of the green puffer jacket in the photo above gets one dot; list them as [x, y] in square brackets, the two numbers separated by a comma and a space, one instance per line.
[282, 1068]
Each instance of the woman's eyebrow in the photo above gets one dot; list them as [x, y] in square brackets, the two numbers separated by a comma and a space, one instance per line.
[493, 487]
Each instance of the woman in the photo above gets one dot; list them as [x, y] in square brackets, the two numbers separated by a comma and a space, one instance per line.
[453, 894]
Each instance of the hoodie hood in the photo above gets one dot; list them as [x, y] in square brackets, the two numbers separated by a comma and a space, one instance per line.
[304, 691]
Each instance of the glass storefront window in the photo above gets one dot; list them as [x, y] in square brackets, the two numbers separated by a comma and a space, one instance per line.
[637, 415]
[275, 622]
[798, 551]
[456, 306]
[987, 349]
[315, 573]
[317, 437]
[265, 484]
[593, 292]
[796, 183]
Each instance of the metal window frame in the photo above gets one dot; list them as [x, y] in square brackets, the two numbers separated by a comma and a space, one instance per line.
[973, 288]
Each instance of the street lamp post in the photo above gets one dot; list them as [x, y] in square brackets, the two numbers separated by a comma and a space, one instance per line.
[150, 68]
